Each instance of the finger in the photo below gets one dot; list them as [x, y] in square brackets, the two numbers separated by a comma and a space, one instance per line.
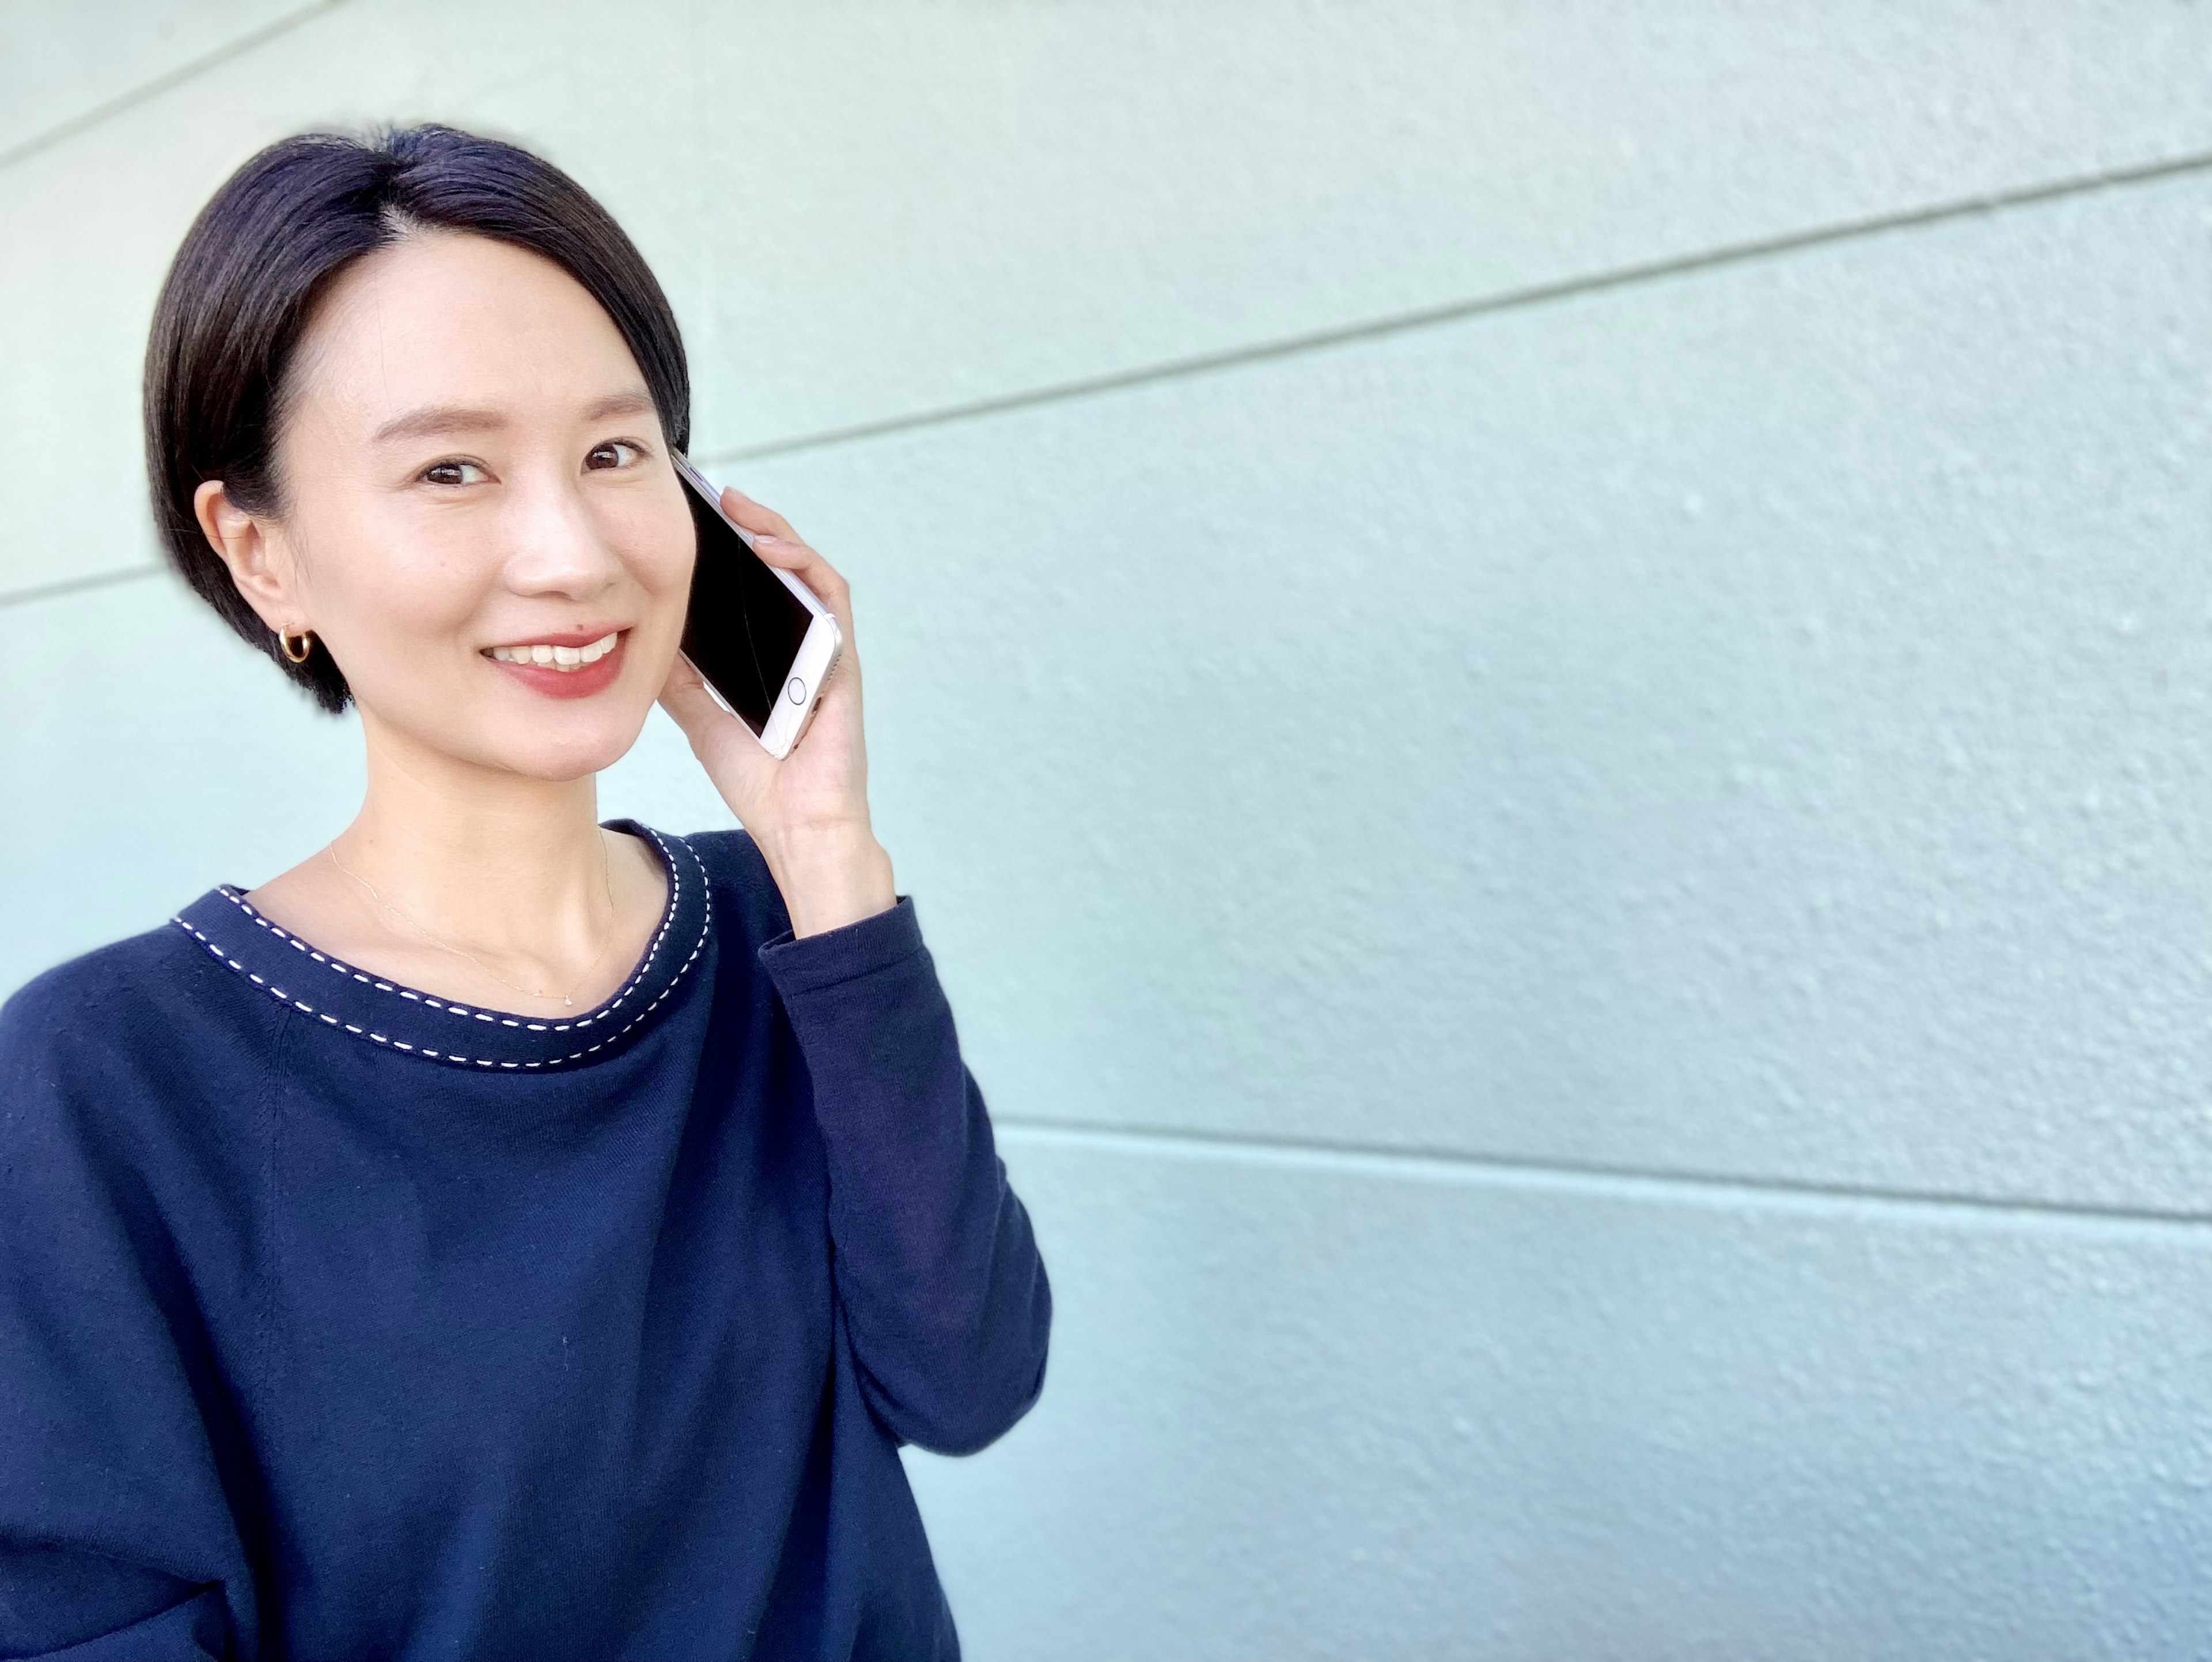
[742, 772]
[760, 521]
[773, 538]
[818, 573]
[803, 562]
[685, 697]
[776, 543]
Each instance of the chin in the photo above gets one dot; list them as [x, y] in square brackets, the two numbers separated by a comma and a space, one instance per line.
[550, 739]
[554, 744]
[563, 757]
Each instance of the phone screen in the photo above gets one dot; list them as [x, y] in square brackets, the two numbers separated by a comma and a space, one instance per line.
[744, 627]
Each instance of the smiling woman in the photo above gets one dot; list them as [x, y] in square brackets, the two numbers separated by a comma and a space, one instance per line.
[471, 469]
[434, 1250]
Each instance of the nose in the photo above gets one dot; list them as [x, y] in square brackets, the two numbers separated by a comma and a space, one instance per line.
[556, 550]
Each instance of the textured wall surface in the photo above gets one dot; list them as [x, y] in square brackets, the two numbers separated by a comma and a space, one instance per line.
[1573, 841]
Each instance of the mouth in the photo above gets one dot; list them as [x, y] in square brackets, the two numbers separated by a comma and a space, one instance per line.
[564, 658]
[572, 666]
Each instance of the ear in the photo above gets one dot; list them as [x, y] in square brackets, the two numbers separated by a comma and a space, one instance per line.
[258, 555]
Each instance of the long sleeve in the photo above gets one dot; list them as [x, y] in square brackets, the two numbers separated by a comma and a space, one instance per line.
[116, 1540]
[944, 1294]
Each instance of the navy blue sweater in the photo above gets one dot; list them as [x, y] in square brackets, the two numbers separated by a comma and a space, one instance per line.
[339, 1321]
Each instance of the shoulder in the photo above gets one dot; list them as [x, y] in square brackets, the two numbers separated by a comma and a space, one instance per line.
[105, 1045]
[114, 991]
[743, 894]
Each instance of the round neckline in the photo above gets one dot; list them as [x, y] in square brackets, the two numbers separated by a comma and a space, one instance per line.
[302, 976]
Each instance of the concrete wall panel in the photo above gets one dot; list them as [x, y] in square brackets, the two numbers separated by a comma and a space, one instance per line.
[1748, 723]
[1303, 1409]
[60, 65]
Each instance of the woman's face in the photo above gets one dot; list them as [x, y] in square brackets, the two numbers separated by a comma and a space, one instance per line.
[474, 481]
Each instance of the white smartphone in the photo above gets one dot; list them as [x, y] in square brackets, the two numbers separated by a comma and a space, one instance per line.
[761, 639]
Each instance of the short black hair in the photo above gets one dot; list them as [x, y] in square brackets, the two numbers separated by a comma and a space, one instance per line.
[268, 246]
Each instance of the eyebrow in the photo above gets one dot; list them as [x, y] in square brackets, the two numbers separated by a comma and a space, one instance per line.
[435, 420]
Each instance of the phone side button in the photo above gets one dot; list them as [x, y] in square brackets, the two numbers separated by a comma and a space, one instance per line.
[796, 690]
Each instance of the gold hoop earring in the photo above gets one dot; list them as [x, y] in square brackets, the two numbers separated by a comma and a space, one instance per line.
[306, 646]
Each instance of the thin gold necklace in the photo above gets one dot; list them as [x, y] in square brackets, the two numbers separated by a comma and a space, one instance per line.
[567, 998]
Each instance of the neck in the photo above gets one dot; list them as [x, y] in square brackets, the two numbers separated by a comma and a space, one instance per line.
[481, 857]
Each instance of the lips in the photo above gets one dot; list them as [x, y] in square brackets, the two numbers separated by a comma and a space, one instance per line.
[574, 666]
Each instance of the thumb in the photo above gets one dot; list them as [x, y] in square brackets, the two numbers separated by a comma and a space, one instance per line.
[733, 756]
[684, 695]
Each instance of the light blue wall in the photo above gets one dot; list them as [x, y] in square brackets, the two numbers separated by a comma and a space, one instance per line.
[1572, 844]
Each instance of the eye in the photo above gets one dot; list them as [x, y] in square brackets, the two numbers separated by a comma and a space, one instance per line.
[615, 453]
[453, 473]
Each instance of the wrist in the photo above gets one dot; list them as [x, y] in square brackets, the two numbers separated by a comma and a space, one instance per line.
[829, 875]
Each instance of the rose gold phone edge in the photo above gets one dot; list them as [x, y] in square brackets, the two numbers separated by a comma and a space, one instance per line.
[818, 652]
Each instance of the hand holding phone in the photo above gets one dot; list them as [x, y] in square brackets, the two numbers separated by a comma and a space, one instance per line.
[805, 803]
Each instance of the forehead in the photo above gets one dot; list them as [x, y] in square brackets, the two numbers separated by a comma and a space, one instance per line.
[442, 318]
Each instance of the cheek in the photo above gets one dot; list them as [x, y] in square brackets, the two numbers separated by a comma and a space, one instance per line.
[397, 588]
[656, 541]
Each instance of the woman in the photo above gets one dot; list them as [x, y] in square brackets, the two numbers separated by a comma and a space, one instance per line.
[499, 1235]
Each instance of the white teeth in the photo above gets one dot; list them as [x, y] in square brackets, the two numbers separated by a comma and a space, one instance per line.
[559, 657]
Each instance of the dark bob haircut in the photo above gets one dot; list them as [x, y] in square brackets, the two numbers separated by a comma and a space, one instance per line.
[268, 247]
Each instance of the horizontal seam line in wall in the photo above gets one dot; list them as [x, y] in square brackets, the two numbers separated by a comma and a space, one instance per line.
[1540, 293]
[77, 585]
[87, 119]
[1654, 1179]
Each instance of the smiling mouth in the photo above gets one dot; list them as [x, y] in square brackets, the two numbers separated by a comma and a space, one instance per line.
[556, 657]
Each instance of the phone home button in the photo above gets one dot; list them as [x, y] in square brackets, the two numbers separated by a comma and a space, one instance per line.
[796, 691]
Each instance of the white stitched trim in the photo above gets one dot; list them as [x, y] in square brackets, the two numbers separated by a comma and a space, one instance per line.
[644, 968]
[706, 923]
